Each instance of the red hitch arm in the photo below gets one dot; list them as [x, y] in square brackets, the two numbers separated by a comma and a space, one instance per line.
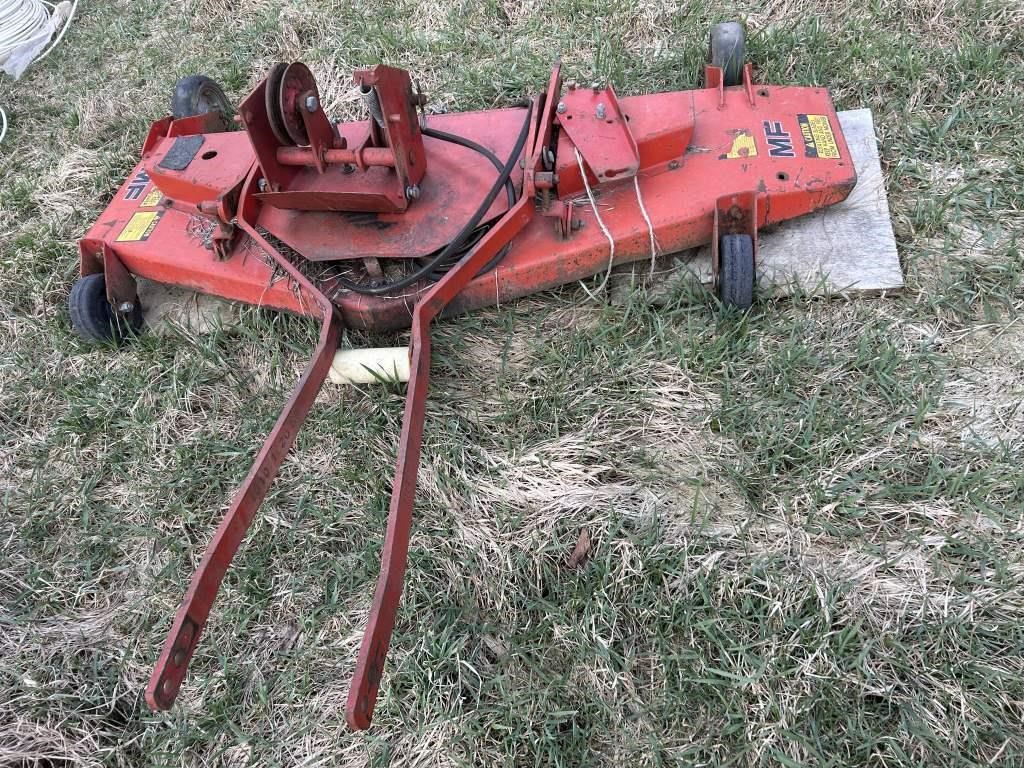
[372, 653]
[169, 672]
[374, 649]
[194, 611]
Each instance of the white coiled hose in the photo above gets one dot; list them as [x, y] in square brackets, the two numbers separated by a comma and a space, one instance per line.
[22, 20]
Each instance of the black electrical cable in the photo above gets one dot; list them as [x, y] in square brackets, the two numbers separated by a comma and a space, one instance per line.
[463, 234]
[434, 133]
[510, 190]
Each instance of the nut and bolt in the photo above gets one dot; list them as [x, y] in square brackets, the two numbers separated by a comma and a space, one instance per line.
[600, 111]
[412, 192]
[549, 158]
[673, 164]
[262, 185]
[560, 109]
[125, 307]
[312, 103]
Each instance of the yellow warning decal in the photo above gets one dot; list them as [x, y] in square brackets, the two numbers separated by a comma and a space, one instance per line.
[139, 227]
[819, 141]
[154, 197]
[742, 146]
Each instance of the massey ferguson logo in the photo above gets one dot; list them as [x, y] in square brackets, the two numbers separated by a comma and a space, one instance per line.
[137, 187]
[780, 143]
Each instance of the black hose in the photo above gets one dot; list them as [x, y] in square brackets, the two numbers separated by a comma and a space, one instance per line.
[510, 190]
[462, 141]
[463, 234]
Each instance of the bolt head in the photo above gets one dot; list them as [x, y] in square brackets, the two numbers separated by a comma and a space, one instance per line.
[412, 192]
[600, 112]
[560, 108]
[312, 104]
[125, 307]
[262, 185]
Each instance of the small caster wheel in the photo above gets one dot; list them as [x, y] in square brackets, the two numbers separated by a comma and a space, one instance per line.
[198, 95]
[93, 318]
[736, 271]
[728, 50]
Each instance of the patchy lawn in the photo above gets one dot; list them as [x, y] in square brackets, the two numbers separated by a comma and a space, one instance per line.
[806, 522]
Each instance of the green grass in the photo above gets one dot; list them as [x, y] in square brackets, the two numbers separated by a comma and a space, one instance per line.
[805, 521]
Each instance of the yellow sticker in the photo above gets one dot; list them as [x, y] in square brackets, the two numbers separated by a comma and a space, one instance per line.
[154, 197]
[819, 141]
[139, 227]
[742, 146]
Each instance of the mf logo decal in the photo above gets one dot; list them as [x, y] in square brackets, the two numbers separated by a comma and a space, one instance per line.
[780, 143]
[137, 186]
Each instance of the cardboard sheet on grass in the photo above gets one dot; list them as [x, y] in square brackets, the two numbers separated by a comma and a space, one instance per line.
[845, 249]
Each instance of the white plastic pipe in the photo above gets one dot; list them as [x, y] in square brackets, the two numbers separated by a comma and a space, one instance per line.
[370, 366]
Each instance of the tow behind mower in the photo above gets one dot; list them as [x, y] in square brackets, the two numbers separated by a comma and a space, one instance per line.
[402, 217]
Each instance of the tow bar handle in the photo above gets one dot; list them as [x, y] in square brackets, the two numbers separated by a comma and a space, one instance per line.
[172, 664]
[189, 621]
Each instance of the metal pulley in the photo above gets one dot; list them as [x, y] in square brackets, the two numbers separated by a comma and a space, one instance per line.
[291, 88]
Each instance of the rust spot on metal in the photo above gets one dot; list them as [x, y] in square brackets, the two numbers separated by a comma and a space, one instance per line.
[367, 220]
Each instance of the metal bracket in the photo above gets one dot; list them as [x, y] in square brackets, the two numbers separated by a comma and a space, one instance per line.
[122, 291]
[373, 650]
[595, 123]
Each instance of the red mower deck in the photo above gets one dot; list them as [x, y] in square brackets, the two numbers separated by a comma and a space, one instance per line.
[385, 223]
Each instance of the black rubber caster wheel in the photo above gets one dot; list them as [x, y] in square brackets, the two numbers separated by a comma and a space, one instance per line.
[728, 50]
[736, 271]
[198, 95]
[93, 318]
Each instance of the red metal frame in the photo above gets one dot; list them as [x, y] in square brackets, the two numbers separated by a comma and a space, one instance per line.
[212, 210]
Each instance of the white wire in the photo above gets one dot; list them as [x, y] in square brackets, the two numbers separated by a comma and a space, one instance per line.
[600, 223]
[20, 21]
[655, 248]
[60, 35]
